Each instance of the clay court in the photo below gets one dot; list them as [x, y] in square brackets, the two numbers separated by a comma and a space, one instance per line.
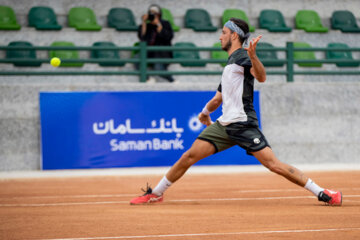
[218, 206]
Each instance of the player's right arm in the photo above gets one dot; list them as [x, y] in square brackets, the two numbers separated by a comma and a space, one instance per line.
[211, 106]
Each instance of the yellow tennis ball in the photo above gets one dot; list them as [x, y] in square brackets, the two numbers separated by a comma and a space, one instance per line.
[55, 62]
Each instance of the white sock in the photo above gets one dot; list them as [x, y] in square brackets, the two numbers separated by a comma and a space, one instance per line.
[162, 186]
[313, 187]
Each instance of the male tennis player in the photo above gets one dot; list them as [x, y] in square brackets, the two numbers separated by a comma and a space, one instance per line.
[238, 124]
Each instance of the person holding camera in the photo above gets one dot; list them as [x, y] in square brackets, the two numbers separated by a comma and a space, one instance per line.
[156, 32]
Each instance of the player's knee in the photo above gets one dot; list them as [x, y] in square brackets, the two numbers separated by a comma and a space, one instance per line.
[187, 159]
[274, 166]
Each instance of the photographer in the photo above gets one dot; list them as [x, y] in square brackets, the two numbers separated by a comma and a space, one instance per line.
[156, 32]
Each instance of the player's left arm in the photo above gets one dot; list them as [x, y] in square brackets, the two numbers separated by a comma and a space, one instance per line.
[257, 69]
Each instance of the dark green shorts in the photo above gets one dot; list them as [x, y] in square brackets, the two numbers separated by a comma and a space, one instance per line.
[248, 137]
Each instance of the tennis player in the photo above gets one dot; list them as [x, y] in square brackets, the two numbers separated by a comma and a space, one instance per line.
[238, 124]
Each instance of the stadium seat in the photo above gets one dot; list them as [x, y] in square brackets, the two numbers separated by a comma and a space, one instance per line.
[43, 18]
[219, 54]
[345, 21]
[236, 13]
[199, 20]
[122, 19]
[65, 54]
[8, 19]
[305, 55]
[309, 21]
[83, 19]
[167, 15]
[29, 55]
[341, 55]
[106, 54]
[185, 54]
[267, 55]
[273, 20]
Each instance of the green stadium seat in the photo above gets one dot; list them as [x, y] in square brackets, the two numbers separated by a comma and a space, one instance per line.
[267, 55]
[83, 19]
[309, 21]
[167, 15]
[65, 54]
[8, 19]
[345, 21]
[29, 55]
[199, 20]
[305, 55]
[122, 19]
[219, 54]
[43, 18]
[192, 54]
[106, 54]
[273, 20]
[341, 55]
[236, 13]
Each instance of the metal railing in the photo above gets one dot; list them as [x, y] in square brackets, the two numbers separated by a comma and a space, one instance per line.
[143, 61]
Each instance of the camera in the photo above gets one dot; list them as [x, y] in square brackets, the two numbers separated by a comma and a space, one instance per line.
[151, 17]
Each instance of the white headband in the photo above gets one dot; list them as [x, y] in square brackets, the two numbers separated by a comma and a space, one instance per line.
[232, 26]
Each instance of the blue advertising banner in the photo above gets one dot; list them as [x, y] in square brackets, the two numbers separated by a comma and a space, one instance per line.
[126, 129]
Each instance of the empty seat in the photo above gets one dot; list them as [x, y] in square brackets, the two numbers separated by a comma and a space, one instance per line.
[340, 55]
[65, 54]
[122, 19]
[83, 19]
[267, 55]
[310, 21]
[273, 20]
[106, 54]
[236, 13]
[345, 21]
[188, 54]
[167, 15]
[199, 20]
[219, 54]
[29, 55]
[8, 19]
[305, 55]
[43, 18]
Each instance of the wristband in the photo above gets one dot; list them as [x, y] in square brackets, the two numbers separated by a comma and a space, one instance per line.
[205, 111]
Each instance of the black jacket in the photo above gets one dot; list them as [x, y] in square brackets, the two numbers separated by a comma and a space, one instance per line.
[153, 38]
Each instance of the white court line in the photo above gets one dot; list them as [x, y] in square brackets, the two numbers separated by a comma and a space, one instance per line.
[180, 200]
[214, 234]
[135, 194]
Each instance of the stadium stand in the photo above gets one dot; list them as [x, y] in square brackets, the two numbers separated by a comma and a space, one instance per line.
[27, 55]
[345, 21]
[43, 18]
[83, 19]
[199, 20]
[310, 21]
[273, 20]
[193, 54]
[305, 55]
[8, 19]
[106, 54]
[237, 13]
[345, 55]
[65, 54]
[167, 15]
[268, 55]
[219, 54]
[122, 19]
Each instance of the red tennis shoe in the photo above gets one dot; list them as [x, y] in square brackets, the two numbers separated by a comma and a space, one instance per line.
[333, 198]
[148, 197]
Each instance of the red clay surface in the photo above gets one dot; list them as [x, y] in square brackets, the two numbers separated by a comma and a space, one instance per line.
[225, 206]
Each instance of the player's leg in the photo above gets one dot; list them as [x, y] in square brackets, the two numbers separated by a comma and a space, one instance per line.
[267, 158]
[199, 150]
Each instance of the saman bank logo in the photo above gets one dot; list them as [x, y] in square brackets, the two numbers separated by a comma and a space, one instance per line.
[194, 124]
